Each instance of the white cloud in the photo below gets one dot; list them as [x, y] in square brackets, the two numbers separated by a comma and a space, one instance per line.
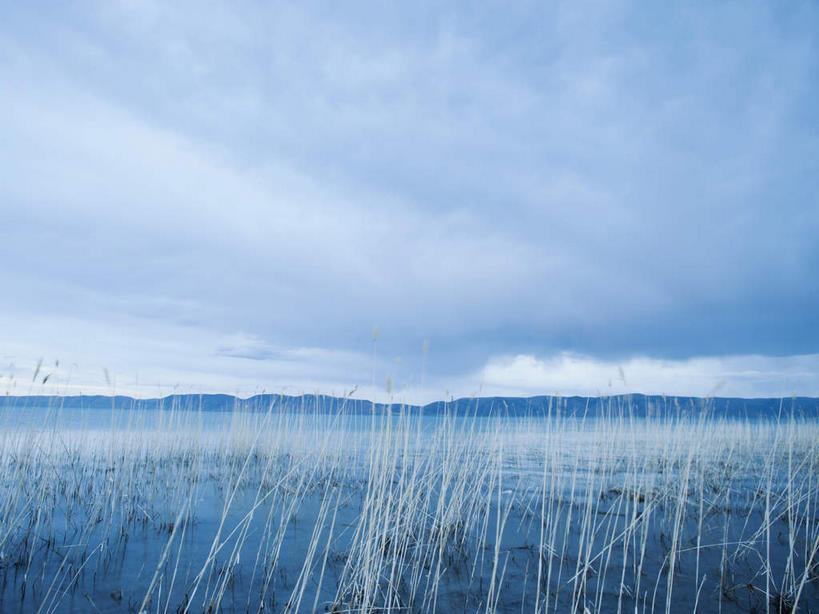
[148, 358]
[144, 358]
[572, 374]
[503, 181]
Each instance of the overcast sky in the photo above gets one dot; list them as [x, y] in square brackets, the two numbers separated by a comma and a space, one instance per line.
[557, 197]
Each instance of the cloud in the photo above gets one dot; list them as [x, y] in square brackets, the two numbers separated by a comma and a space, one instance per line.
[154, 358]
[572, 374]
[503, 181]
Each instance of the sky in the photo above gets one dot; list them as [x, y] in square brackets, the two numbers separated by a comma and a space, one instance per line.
[465, 198]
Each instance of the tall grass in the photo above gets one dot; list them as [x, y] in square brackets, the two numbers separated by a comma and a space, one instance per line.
[295, 511]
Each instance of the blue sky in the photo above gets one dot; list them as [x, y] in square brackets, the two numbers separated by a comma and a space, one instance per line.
[579, 197]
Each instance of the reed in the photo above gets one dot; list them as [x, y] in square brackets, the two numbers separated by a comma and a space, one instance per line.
[289, 510]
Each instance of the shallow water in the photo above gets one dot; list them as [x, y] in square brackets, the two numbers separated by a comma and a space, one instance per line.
[255, 512]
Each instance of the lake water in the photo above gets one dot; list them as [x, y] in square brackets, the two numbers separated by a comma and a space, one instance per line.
[114, 511]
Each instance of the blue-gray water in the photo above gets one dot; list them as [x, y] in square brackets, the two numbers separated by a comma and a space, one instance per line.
[92, 499]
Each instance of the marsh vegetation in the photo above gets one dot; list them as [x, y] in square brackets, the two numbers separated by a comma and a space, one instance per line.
[271, 511]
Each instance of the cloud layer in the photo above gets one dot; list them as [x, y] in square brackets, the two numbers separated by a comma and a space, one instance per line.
[246, 182]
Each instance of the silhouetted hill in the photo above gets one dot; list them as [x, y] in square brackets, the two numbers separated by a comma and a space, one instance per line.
[625, 405]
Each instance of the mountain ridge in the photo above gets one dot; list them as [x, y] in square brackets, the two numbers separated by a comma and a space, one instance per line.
[541, 405]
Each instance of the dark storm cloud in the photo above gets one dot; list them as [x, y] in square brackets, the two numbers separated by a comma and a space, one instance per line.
[605, 180]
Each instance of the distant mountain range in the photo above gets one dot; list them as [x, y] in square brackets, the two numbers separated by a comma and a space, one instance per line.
[626, 405]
